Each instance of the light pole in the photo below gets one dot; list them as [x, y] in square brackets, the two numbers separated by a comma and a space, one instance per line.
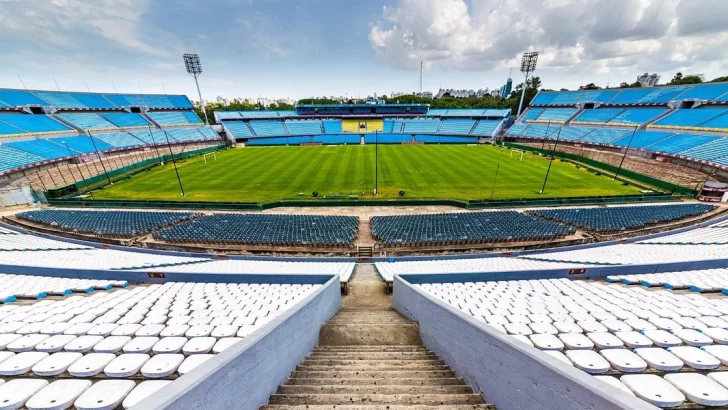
[528, 65]
[551, 160]
[194, 68]
[376, 162]
[174, 162]
[78, 167]
[98, 155]
[629, 144]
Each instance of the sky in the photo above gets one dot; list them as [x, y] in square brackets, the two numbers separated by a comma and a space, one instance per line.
[304, 48]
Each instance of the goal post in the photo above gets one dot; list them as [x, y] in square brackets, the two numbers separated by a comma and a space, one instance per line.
[518, 151]
[214, 156]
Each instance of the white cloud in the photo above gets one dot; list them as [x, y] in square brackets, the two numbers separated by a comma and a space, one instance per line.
[573, 36]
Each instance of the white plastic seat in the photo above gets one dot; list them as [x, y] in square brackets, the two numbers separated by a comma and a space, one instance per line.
[690, 323]
[640, 324]
[174, 331]
[662, 338]
[543, 328]
[699, 389]
[111, 344]
[130, 319]
[692, 337]
[178, 320]
[78, 329]
[126, 330]
[126, 365]
[665, 324]
[6, 355]
[546, 342]
[142, 391]
[55, 364]
[694, 357]
[616, 326]
[539, 318]
[660, 359]
[149, 330]
[21, 363]
[567, 327]
[720, 352]
[104, 329]
[26, 343]
[576, 341]
[588, 361]
[248, 329]
[54, 343]
[613, 381]
[140, 345]
[31, 328]
[154, 320]
[226, 342]
[518, 329]
[199, 345]
[82, 344]
[193, 361]
[200, 331]
[8, 338]
[719, 377]
[55, 328]
[592, 327]
[634, 340]
[58, 395]
[224, 331]
[624, 360]
[712, 321]
[605, 340]
[90, 364]
[718, 335]
[105, 395]
[200, 320]
[653, 389]
[15, 393]
[169, 345]
[162, 365]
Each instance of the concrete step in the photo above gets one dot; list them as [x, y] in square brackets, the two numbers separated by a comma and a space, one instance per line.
[373, 355]
[381, 381]
[372, 348]
[371, 334]
[374, 389]
[379, 407]
[375, 374]
[370, 362]
[373, 366]
[427, 399]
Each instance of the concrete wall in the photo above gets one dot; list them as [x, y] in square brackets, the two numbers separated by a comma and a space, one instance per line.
[509, 373]
[244, 376]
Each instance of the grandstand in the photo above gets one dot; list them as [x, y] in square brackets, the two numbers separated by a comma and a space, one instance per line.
[374, 123]
[682, 123]
[47, 127]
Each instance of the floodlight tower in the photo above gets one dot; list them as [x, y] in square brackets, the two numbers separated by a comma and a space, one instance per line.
[194, 68]
[528, 65]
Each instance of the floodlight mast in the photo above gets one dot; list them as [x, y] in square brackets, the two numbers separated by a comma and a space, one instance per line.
[194, 68]
[528, 66]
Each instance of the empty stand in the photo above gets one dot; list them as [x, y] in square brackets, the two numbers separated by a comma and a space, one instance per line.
[87, 121]
[125, 120]
[304, 127]
[171, 118]
[106, 223]
[268, 128]
[39, 124]
[665, 348]
[265, 230]
[469, 227]
[456, 126]
[622, 218]
[486, 127]
[556, 115]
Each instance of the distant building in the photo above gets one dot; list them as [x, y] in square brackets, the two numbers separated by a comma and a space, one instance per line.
[221, 100]
[425, 94]
[462, 93]
[506, 89]
[648, 80]
[496, 93]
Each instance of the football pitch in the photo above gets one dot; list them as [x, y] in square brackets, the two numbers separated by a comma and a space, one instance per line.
[462, 172]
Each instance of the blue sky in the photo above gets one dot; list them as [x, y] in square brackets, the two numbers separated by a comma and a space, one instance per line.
[284, 48]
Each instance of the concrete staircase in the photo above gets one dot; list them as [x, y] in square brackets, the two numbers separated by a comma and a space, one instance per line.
[370, 357]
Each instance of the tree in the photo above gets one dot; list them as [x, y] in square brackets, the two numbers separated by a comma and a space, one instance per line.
[690, 79]
[564, 89]
[676, 80]
[591, 86]
[719, 79]
[623, 85]
[635, 84]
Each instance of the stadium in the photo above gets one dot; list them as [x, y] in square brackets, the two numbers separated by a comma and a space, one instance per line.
[566, 253]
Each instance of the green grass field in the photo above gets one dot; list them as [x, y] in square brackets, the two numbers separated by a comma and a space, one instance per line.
[261, 174]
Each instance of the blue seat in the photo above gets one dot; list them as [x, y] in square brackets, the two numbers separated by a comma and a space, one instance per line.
[256, 229]
[239, 129]
[681, 142]
[642, 139]
[19, 98]
[106, 223]
[268, 128]
[119, 139]
[599, 115]
[11, 158]
[463, 228]
[486, 127]
[87, 121]
[636, 116]
[688, 117]
[332, 126]
[34, 123]
[456, 126]
[421, 126]
[169, 117]
[125, 119]
[615, 219]
[303, 127]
